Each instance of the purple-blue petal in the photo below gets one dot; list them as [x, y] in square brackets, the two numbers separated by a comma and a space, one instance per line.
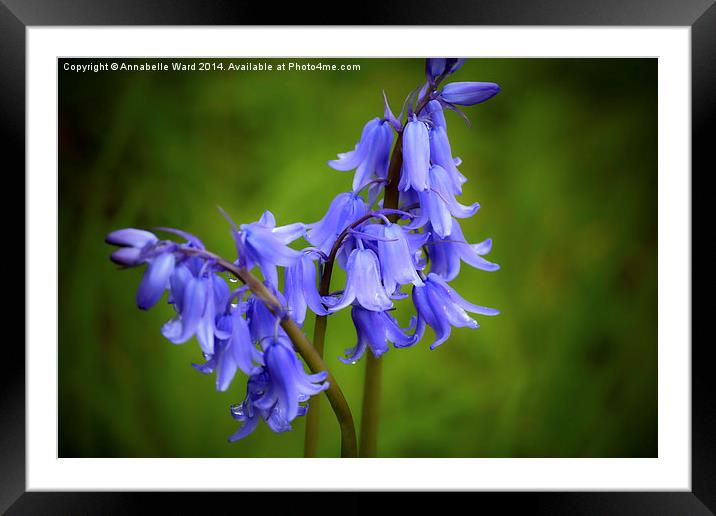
[469, 93]
[127, 256]
[416, 155]
[155, 280]
[184, 326]
[131, 237]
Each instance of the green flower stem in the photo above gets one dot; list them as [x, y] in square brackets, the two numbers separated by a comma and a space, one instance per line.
[310, 444]
[371, 387]
[303, 346]
[370, 416]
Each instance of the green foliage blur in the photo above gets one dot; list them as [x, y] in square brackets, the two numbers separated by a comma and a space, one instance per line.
[563, 162]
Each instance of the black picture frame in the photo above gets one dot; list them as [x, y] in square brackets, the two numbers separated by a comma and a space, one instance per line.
[17, 15]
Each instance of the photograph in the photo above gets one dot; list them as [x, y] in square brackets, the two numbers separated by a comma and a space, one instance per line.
[438, 257]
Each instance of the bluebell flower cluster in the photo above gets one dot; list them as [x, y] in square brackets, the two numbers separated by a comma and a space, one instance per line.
[235, 330]
[380, 256]
[416, 245]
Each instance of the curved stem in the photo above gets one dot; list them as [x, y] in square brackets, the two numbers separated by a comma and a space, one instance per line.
[303, 346]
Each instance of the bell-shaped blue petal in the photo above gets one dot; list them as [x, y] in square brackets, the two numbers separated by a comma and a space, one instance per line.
[447, 252]
[434, 111]
[237, 351]
[190, 296]
[301, 290]
[345, 209]
[350, 160]
[289, 383]
[206, 329]
[416, 156]
[441, 307]
[245, 411]
[468, 93]
[220, 361]
[245, 353]
[441, 155]
[266, 245]
[375, 330]
[395, 255]
[371, 154]
[438, 204]
[362, 284]
[376, 163]
[263, 324]
[276, 393]
[155, 280]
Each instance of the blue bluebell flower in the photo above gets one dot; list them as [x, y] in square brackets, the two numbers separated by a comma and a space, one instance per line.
[362, 283]
[216, 300]
[277, 392]
[246, 413]
[344, 209]
[434, 112]
[155, 280]
[447, 252]
[264, 325]
[133, 244]
[345, 250]
[189, 296]
[395, 255]
[131, 237]
[371, 154]
[416, 156]
[233, 350]
[262, 243]
[198, 301]
[440, 152]
[379, 258]
[436, 67]
[468, 93]
[375, 330]
[441, 155]
[441, 307]
[438, 204]
[301, 290]
[136, 247]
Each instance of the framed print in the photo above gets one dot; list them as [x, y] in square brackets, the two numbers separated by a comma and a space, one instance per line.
[256, 261]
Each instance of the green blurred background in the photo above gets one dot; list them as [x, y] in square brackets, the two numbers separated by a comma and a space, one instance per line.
[563, 162]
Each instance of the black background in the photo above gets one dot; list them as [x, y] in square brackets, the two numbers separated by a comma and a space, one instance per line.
[16, 15]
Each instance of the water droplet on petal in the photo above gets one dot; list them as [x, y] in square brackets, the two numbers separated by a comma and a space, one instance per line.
[237, 410]
[232, 278]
